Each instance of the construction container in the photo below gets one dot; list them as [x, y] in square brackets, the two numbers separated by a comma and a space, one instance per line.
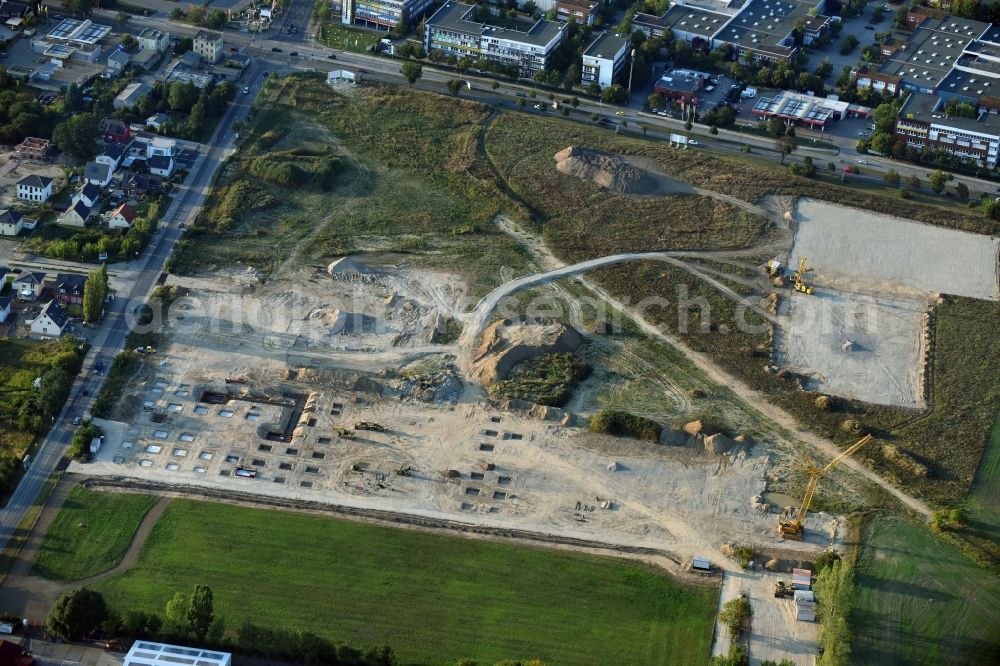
[701, 563]
[804, 595]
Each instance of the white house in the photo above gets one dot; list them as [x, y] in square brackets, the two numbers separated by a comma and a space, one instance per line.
[97, 173]
[28, 286]
[112, 155]
[51, 321]
[118, 61]
[76, 216]
[157, 120]
[4, 308]
[121, 217]
[37, 189]
[161, 145]
[161, 165]
[131, 94]
[11, 222]
[89, 194]
[208, 45]
[152, 39]
[147, 653]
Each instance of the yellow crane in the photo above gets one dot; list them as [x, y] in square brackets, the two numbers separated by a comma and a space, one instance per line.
[800, 275]
[791, 526]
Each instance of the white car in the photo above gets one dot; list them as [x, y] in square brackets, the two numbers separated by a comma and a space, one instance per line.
[692, 142]
[862, 161]
[246, 91]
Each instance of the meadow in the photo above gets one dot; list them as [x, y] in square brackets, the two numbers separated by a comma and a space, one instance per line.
[433, 598]
[921, 601]
[90, 534]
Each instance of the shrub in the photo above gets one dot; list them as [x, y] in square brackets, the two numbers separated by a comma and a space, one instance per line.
[546, 380]
[617, 422]
[736, 614]
[825, 559]
[823, 403]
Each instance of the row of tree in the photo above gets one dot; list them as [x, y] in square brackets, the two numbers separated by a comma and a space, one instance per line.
[95, 294]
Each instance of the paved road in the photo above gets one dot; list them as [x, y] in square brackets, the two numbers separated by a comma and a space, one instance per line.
[111, 336]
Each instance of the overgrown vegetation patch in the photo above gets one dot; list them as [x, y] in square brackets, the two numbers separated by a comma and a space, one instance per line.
[546, 380]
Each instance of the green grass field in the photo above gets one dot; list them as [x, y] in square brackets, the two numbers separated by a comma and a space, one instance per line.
[920, 601]
[433, 598]
[90, 534]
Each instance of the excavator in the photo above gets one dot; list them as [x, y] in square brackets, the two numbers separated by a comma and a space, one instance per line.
[791, 524]
[800, 278]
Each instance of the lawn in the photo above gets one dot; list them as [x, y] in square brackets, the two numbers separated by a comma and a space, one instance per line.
[338, 36]
[90, 534]
[920, 601]
[433, 598]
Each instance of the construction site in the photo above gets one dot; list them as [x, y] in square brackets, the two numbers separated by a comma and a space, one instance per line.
[364, 382]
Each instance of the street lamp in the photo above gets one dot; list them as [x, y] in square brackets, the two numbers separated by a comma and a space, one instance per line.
[631, 67]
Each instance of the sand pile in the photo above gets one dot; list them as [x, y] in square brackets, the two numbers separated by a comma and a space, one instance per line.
[507, 342]
[609, 171]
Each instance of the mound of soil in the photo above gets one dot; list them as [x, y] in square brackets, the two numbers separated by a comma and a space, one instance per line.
[615, 173]
[507, 342]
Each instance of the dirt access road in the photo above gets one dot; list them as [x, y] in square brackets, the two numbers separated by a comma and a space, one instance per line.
[755, 400]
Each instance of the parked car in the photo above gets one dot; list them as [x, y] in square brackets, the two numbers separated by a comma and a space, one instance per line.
[275, 49]
[77, 420]
[293, 54]
[619, 113]
[332, 56]
[246, 90]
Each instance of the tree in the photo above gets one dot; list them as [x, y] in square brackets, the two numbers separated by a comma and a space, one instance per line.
[77, 613]
[495, 85]
[129, 42]
[95, 292]
[736, 614]
[656, 101]
[412, 71]
[613, 94]
[76, 136]
[891, 178]
[962, 190]
[454, 86]
[196, 119]
[74, 98]
[182, 96]
[81, 7]
[200, 613]
[176, 610]
[913, 182]
[786, 145]
[937, 180]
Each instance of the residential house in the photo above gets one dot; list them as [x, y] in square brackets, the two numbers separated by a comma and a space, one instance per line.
[141, 185]
[582, 11]
[161, 165]
[4, 272]
[28, 285]
[97, 173]
[76, 216]
[68, 288]
[37, 189]
[678, 87]
[114, 131]
[151, 39]
[118, 61]
[111, 155]
[157, 120]
[11, 222]
[121, 217]
[89, 194]
[51, 321]
[4, 308]
[161, 145]
[208, 45]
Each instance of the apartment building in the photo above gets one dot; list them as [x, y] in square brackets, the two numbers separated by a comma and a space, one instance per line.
[209, 46]
[453, 30]
[921, 123]
[604, 59]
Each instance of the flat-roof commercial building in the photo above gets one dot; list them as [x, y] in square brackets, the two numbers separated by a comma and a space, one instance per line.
[814, 112]
[604, 59]
[72, 40]
[932, 51]
[921, 124]
[147, 653]
[678, 86]
[764, 28]
[383, 14]
[694, 25]
[453, 30]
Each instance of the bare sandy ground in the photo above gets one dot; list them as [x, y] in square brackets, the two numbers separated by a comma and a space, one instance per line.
[859, 250]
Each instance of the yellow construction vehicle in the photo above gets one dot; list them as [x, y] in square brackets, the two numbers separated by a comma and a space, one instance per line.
[800, 278]
[791, 524]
